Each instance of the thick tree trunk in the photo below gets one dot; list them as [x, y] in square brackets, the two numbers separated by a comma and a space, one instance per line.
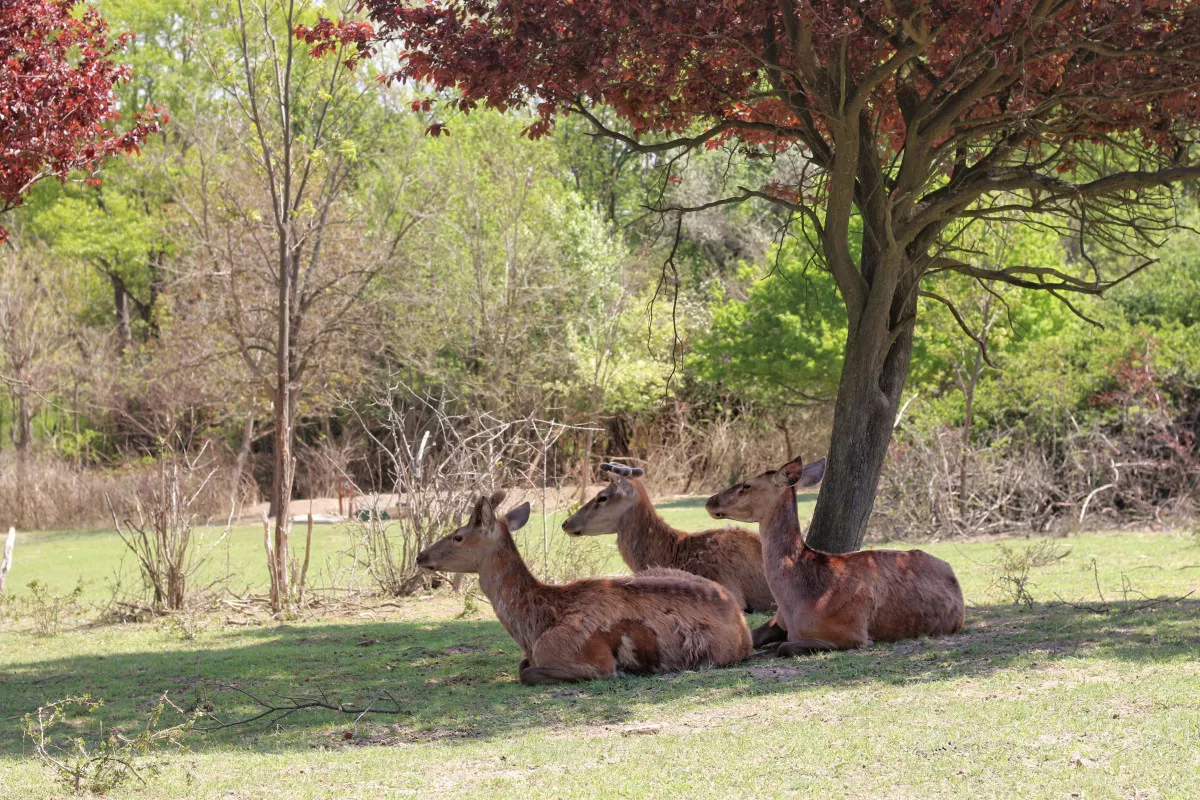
[867, 402]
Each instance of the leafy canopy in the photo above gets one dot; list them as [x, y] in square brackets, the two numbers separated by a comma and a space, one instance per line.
[57, 77]
[916, 112]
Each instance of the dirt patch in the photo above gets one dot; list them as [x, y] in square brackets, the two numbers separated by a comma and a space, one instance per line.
[778, 673]
[392, 735]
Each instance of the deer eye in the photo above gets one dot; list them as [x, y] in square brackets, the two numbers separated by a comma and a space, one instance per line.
[458, 538]
[745, 487]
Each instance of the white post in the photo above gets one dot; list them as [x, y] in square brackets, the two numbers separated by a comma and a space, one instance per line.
[6, 563]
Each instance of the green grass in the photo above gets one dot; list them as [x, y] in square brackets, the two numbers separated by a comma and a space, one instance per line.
[1053, 702]
[60, 559]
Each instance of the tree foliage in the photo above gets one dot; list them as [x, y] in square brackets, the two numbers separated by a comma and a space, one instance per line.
[915, 117]
[58, 71]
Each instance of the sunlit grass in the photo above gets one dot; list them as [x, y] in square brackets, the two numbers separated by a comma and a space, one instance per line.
[1052, 702]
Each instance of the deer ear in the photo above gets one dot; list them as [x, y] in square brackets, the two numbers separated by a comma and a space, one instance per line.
[624, 488]
[788, 474]
[637, 472]
[812, 473]
[517, 517]
[477, 512]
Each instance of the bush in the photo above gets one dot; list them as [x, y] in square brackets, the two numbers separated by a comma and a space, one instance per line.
[437, 462]
[100, 761]
[157, 525]
[47, 608]
[1079, 428]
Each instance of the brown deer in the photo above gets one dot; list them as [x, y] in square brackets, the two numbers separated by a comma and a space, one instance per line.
[731, 556]
[660, 621]
[839, 602]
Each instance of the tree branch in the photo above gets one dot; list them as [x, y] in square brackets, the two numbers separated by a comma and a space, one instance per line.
[962, 323]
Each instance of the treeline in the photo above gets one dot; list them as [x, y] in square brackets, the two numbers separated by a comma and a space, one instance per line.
[480, 273]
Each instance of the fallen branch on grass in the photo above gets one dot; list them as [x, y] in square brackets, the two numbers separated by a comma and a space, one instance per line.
[1109, 608]
[276, 710]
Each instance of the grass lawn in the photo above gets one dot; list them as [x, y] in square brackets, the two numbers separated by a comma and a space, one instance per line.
[1048, 702]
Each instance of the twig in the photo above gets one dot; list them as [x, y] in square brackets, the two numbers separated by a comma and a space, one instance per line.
[1094, 492]
[275, 712]
[1096, 576]
[307, 553]
[1108, 608]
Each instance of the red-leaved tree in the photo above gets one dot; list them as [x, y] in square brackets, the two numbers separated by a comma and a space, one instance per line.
[57, 73]
[917, 116]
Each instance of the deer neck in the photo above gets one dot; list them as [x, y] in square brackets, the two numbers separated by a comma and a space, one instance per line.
[517, 597]
[780, 530]
[644, 539]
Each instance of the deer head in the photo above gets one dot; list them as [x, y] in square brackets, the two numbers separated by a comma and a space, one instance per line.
[754, 499]
[602, 514]
[468, 548]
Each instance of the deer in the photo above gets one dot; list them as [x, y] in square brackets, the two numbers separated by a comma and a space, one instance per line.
[838, 602]
[730, 556]
[660, 621]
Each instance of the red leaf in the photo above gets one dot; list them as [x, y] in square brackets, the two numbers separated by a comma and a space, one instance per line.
[57, 108]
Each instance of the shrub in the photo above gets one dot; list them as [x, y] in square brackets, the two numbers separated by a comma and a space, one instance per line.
[157, 525]
[47, 608]
[106, 759]
[1013, 567]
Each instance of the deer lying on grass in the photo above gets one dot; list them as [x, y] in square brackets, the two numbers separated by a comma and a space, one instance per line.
[839, 602]
[660, 621]
[731, 556]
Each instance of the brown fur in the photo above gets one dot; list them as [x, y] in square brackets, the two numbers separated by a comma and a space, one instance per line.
[659, 621]
[730, 556]
[838, 602]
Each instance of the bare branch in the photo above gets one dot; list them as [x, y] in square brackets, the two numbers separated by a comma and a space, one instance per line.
[962, 323]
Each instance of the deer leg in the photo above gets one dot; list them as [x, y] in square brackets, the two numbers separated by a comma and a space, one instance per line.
[539, 676]
[803, 647]
[770, 632]
[557, 657]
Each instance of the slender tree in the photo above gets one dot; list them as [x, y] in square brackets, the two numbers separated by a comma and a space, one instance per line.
[918, 116]
[289, 231]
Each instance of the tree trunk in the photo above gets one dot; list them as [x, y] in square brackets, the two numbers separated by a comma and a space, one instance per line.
[239, 464]
[868, 400]
[585, 466]
[23, 440]
[282, 477]
[121, 303]
[7, 560]
[782, 426]
[23, 426]
[968, 422]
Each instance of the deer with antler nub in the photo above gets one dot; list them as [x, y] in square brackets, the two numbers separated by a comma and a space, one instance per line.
[730, 556]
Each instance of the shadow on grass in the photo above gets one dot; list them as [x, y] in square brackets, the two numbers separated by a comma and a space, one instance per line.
[457, 679]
